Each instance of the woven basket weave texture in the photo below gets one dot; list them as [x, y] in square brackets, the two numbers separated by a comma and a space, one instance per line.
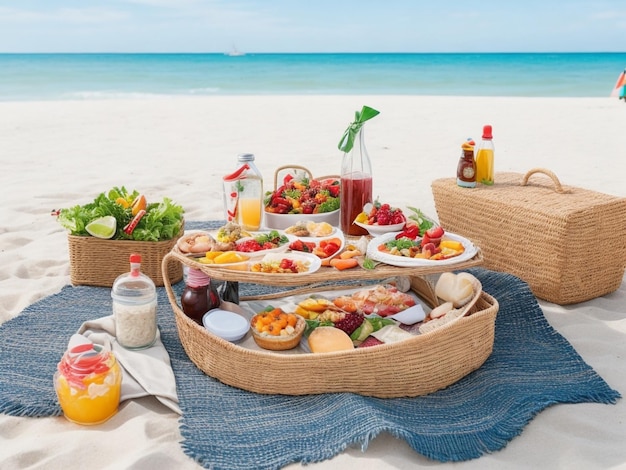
[98, 262]
[412, 367]
[567, 243]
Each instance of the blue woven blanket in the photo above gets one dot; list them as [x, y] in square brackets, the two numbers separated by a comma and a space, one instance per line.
[532, 367]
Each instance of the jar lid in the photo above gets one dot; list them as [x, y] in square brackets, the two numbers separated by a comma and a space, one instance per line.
[227, 325]
[133, 289]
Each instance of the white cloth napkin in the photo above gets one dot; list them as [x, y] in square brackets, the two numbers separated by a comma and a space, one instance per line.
[145, 372]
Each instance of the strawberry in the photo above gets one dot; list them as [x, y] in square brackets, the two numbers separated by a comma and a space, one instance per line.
[435, 232]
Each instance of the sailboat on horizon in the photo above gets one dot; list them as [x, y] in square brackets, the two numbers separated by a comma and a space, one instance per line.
[234, 52]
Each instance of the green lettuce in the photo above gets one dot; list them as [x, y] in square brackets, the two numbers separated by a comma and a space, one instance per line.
[162, 221]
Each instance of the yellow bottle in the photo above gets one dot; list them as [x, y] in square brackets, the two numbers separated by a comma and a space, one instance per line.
[485, 157]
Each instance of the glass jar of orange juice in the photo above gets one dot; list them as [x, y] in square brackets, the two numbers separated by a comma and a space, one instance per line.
[243, 194]
[88, 383]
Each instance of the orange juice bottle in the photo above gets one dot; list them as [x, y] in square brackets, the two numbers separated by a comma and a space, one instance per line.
[243, 194]
[484, 158]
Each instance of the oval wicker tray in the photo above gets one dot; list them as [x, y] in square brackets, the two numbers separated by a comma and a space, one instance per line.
[412, 367]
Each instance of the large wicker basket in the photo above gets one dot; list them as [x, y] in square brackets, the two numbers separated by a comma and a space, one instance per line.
[413, 367]
[568, 243]
[98, 262]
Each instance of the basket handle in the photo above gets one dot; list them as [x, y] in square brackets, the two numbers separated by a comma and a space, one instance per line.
[290, 167]
[557, 184]
[168, 258]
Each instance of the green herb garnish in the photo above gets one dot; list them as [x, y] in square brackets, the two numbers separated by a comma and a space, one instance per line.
[423, 222]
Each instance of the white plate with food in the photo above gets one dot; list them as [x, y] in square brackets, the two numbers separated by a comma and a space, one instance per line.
[311, 229]
[322, 247]
[296, 264]
[270, 241]
[225, 259]
[389, 257]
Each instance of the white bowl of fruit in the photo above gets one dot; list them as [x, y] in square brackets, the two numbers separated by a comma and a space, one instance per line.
[379, 219]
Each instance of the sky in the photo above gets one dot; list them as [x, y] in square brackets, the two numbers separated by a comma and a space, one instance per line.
[312, 26]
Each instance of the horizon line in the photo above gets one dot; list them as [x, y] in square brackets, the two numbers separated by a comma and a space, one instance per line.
[243, 54]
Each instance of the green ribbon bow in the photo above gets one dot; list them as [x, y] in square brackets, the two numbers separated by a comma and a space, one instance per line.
[347, 140]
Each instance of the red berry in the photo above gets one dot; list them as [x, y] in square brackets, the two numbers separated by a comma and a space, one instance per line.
[350, 322]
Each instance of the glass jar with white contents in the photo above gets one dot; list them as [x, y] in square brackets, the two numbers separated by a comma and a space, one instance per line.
[134, 307]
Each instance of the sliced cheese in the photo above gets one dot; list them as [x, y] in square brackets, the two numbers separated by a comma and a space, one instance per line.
[391, 334]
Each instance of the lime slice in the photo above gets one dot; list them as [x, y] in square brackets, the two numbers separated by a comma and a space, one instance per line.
[103, 227]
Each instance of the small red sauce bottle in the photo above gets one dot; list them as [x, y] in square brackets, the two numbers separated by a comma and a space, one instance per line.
[199, 296]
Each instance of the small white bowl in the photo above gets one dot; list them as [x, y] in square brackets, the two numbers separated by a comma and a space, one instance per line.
[376, 230]
[225, 324]
[283, 221]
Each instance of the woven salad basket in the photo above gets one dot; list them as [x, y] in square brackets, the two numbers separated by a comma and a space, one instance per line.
[412, 367]
[98, 262]
[567, 243]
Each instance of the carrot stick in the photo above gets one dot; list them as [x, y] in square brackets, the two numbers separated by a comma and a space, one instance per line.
[325, 262]
[342, 264]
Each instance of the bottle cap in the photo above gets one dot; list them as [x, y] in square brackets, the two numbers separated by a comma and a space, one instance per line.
[468, 145]
[487, 132]
[197, 278]
[245, 157]
[134, 287]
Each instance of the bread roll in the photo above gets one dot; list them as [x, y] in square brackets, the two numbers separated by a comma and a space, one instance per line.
[455, 288]
[325, 339]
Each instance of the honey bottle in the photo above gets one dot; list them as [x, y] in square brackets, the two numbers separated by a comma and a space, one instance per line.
[466, 169]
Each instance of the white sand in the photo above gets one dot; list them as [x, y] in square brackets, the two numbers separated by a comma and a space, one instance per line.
[58, 154]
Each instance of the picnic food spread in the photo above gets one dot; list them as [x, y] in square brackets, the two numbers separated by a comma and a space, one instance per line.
[367, 317]
[302, 244]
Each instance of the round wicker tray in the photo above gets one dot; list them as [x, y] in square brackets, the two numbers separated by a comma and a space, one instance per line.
[412, 367]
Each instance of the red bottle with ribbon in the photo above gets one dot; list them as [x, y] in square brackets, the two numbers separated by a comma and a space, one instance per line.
[356, 172]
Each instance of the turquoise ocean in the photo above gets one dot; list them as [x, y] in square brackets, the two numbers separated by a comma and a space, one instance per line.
[25, 77]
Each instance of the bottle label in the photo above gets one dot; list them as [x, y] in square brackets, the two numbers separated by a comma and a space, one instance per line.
[468, 173]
